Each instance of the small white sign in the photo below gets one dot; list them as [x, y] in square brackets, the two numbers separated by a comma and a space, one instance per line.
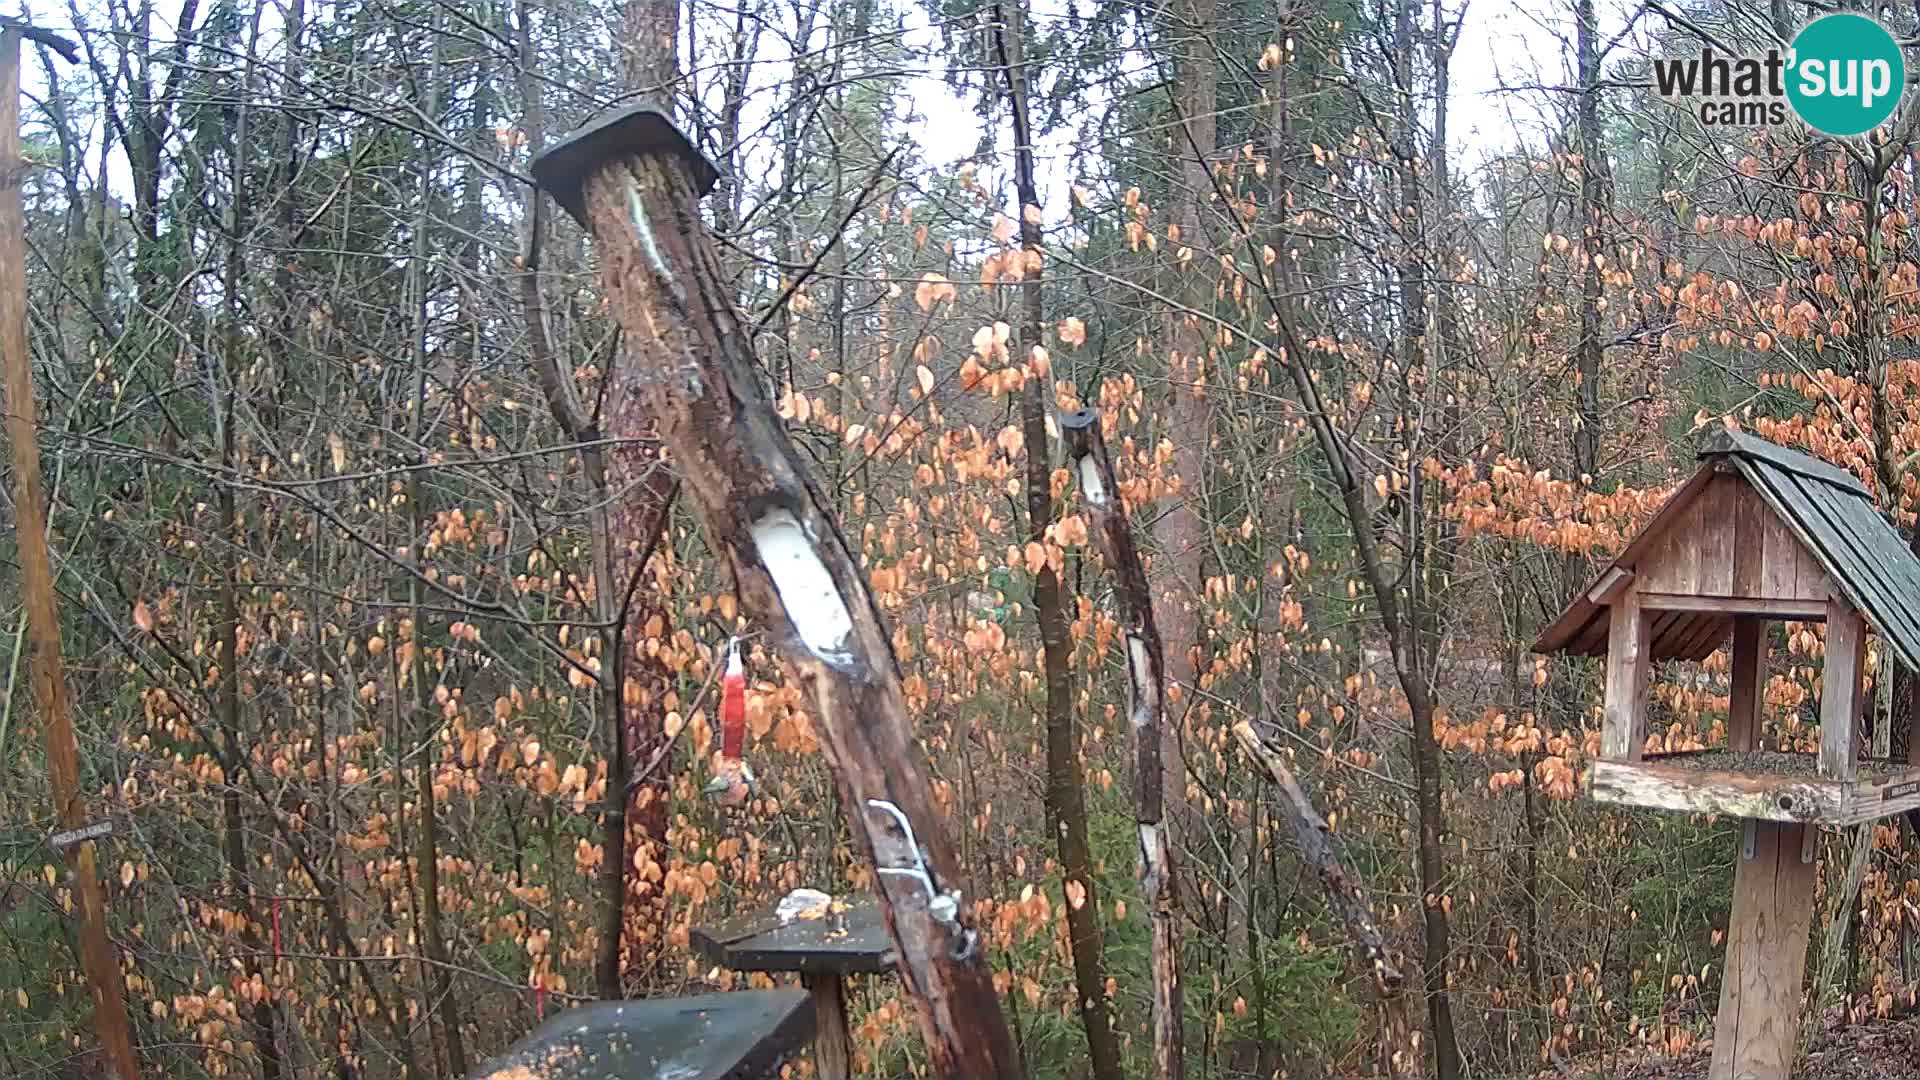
[98, 829]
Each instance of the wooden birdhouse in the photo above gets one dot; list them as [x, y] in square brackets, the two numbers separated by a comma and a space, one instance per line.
[1760, 534]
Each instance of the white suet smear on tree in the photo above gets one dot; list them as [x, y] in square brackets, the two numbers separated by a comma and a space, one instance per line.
[638, 211]
[1140, 670]
[1090, 483]
[807, 590]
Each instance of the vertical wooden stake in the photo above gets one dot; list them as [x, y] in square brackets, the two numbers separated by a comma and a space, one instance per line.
[1841, 691]
[36, 574]
[1629, 657]
[1749, 682]
[832, 1041]
[1758, 1024]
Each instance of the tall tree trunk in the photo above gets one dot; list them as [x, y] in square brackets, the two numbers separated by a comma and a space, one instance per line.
[1066, 794]
[1586, 433]
[1417, 629]
[794, 569]
[233, 821]
[1182, 532]
[425, 733]
[649, 49]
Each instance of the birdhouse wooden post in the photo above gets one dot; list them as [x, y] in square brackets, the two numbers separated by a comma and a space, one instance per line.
[1759, 534]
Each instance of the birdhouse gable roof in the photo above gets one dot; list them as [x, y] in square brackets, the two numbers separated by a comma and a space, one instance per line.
[1751, 495]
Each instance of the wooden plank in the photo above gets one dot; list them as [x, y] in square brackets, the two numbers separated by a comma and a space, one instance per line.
[1749, 540]
[1749, 683]
[1629, 658]
[1711, 791]
[833, 1040]
[1884, 797]
[1760, 989]
[1611, 585]
[744, 1033]
[1672, 564]
[1736, 605]
[1841, 691]
[1780, 559]
[1713, 537]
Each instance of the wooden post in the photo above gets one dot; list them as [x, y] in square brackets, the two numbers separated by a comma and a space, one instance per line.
[832, 1040]
[1758, 1024]
[1842, 692]
[635, 182]
[1623, 734]
[36, 571]
[1749, 682]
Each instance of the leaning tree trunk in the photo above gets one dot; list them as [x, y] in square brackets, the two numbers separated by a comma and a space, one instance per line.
[1399, 1050]
[635, 181]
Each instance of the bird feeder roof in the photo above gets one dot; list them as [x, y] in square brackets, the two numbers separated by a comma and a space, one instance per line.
[1826, 509]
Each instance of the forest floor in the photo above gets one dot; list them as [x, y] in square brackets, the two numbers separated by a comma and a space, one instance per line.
[1884, 1050]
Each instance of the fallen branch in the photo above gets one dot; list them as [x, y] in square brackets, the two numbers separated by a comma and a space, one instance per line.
[1399, 1043]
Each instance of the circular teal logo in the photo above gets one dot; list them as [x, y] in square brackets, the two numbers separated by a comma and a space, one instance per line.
[1845, 75]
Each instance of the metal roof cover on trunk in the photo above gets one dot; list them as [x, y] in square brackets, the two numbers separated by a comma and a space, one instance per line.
[1828, 510]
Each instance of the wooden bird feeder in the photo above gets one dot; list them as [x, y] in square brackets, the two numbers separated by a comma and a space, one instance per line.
[1759, 533]
[825, 951]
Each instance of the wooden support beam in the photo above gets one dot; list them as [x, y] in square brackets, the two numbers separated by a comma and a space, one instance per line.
[832, 1039]
[1611, 585]
[1623, 734]
[1758, 1023]
[1842, 691]
[1771, 607]
[1749, 683]
[1913, 722]
[1147, 676]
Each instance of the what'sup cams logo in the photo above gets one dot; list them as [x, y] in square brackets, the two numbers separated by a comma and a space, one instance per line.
[1844, 75]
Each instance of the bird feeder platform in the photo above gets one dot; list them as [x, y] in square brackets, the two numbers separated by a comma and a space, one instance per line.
[749, 1035]
[1759, 534]
[824, 951]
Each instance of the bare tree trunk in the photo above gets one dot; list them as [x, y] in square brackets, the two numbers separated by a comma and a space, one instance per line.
[445, 1003]
[649, 49]
[233, 821]
[1413, 639]
[98, 956]
[1586, 432]
[1181, 532]
[1147, 674]
[1066, 794]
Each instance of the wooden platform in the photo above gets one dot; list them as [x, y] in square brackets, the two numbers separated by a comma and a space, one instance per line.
[1883, 789]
